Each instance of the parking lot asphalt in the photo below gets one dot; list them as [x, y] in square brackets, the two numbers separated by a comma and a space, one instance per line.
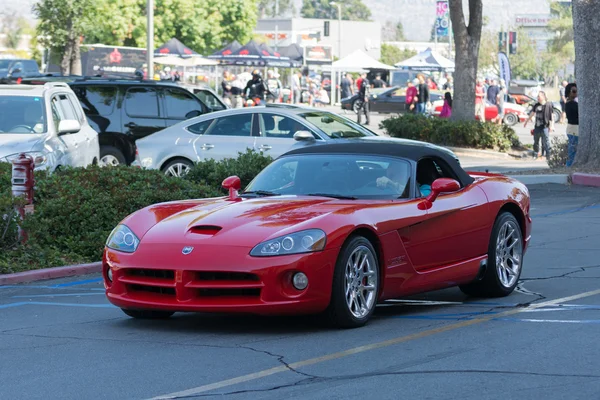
[61, 339]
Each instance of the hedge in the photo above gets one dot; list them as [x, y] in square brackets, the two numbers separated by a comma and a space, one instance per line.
[471, 134]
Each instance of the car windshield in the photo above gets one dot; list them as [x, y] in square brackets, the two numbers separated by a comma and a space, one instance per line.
[4, 64]
[334, 175]
[335, 126]
[22, 114]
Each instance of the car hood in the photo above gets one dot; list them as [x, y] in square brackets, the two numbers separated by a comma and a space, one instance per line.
[19, 143]
[238, 223]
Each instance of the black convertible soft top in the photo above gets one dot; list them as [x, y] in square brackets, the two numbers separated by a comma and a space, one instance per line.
[409, 149]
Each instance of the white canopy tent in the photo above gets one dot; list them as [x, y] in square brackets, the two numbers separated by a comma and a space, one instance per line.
[428, 60]
[357, 61]
[194, 61]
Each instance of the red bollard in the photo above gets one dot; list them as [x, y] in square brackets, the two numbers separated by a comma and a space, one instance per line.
[22, 186]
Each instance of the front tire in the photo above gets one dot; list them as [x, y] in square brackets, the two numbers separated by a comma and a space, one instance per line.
[511, 119]
[147, 314]
[505, 260]
[355, 106]
[111, 157]
[355, 284]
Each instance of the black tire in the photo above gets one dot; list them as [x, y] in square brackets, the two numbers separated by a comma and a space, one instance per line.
[338, 312]
[556, 115]
[148, 314]
[178, 167]
[355, 106]
[113, 154]
[490, 284]
[511, 119]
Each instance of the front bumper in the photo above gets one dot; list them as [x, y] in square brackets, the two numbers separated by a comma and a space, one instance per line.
[232, 282]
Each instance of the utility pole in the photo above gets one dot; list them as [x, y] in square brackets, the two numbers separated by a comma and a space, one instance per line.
[150, 39]
[276, 23]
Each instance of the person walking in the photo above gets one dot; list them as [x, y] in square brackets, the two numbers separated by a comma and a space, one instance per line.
[346, 87]
[480, 101]
[423, 95]
[296, 88]
[500, 98]
[274, 86]
[410, 96]
[378, 83]
[572, 115]
[237, 89]
[492, 93]
[363, 98]
[544, 124]
[447, 108]
[226, 87]
[563, 101]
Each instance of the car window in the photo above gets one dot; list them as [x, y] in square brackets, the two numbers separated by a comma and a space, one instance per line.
[233, 125]
[353, 175]
[200, 128]
[278, 126]
[210, 100]
[179, 103]
[22, 114]
[77, 108]
[431, 168]
[68, 111]
[141, 102]
[56, 113]
[399, 93]
[96, 100]
[31, 66]
[334, 126]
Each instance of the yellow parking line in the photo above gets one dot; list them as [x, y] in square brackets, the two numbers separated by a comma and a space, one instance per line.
[368, 347]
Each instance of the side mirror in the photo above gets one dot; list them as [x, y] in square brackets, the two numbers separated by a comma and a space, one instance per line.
[233, 184]
[14, 71]
[303, 135]
[68, 126]
[192, 114]
[440, 185]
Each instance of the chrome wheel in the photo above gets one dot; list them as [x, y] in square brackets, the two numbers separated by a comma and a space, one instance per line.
[360, 282]
[109, 161]
[509, 253]
[177, 170]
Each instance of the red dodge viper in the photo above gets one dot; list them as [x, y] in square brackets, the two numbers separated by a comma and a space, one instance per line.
[333, 228]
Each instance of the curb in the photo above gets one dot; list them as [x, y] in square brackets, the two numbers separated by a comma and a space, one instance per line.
[578, 178]
[50, 273]
[561, 179]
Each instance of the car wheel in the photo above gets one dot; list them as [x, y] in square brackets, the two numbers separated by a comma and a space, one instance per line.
[511, 119]
[355, 284]
[111, 157]
[505, 260]
[148, 314]
[177, 168]
[355, 106]
[556, 114]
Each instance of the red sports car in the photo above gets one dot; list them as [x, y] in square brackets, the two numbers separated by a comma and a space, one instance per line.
[332, 228]
[513, 113]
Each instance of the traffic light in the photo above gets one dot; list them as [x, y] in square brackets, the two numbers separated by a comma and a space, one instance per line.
[326, 29]
[512, 42]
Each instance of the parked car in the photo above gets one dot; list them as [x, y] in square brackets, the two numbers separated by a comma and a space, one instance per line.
[334, 228]
[11, 69]
[386, 100]
[273, 129]
[513, 113]
[47, 123]
[528, 102]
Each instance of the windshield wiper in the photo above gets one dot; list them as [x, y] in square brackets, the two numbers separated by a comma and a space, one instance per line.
[259, 193]
[334, 196]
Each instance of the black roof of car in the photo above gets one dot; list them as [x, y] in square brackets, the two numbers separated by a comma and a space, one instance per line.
[409, 149]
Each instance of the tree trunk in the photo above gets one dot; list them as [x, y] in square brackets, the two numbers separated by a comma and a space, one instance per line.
[76, 57]
[65, 61]
[466, 42]
[587, 58]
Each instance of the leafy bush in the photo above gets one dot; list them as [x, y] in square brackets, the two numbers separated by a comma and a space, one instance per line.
[559, 152]
[246, 166]
[471, 134]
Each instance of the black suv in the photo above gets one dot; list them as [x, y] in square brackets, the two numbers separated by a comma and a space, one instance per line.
[11, 69]
[122, 111]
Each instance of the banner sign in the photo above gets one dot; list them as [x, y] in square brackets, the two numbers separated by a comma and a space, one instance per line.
[504, 65]
[318, 54]
[442, 20]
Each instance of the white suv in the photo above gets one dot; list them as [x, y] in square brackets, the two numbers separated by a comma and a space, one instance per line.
[47, 123]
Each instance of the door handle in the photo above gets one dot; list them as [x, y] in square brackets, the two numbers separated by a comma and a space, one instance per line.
[131, 125]
[207, 146]
[265, 147]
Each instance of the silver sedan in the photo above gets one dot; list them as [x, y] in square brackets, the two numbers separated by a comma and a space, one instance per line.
[272, 130]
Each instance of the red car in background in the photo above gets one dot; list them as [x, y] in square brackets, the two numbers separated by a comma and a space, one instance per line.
[333, 228]
[513, 113]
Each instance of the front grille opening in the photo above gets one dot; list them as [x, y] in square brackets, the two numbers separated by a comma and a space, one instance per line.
[226, 276]
[205, 229]
[152, 273]
[152, 289]
[229, 292]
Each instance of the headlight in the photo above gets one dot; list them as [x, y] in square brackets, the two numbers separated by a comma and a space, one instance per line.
[123, 239]
[295, 243]
[39, 158]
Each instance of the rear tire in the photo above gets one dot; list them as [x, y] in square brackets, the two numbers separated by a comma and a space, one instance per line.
[148, 314]
[511, 119]
[111, 157]
[177, 168]
[355, 106]
[505, 260]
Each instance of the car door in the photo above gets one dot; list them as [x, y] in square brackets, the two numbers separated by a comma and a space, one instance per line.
[394, 101]
[141, 116]
[277, 133]
[179, 105]
[455, 229]
[78, 140]
[90, 136]
[226, 137]
[67, 143]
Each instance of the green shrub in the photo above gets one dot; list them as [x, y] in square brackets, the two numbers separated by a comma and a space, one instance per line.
[559, 152]
[8, 214]
[444, 132]
[246, 166]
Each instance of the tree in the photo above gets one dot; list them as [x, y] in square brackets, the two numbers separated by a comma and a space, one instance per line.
[562, 46]
[352, 10]
[12, 27]
[466, 43]
[488, 53]
[391, 54]
[61, 25]
[391, 32]
[526, 63]
[266, 8]
[587, 48]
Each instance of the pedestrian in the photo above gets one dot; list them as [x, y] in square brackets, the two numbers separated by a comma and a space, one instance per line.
[563, 101]
[274, 86]
[423, 95]
[363, 98]
[500, 98]
[296, 88]
[378, 83]
[449, 84]
[492, 93]
[346, 86]
[256, 89]
[237, 89]
[544, 124]
[226, 87]
[572, 115]
[431, 84]
[322, 97]
[480, 101]
[411, 96]
[447, 108]
[359, 82]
